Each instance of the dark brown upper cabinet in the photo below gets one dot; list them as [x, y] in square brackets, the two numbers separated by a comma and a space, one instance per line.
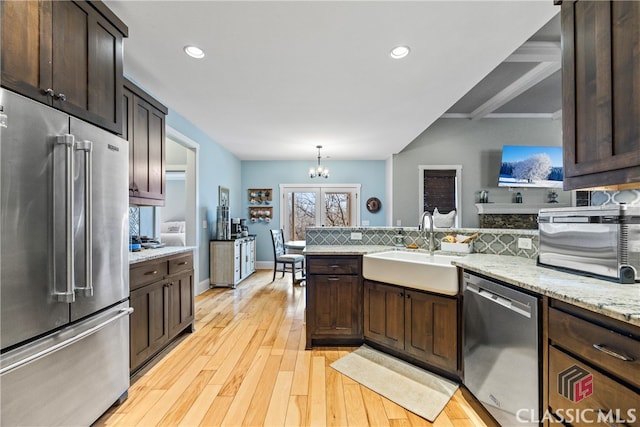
[144, 127]
[601, 93]
[67, 54]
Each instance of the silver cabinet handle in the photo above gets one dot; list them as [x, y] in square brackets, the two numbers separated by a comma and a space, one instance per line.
[121, 313]
[87, 289]
[49, 92]
[61, 96]
[606, 350]
[68, 295]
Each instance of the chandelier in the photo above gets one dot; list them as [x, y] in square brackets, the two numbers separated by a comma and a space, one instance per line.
[318, 171]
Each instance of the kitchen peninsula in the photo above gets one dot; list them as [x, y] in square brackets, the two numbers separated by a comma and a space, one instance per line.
[583, 321]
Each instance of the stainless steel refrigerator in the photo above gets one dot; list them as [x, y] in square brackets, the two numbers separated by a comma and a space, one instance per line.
[64, 282]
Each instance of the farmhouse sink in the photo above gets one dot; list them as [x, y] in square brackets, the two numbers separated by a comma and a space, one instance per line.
[417, 270]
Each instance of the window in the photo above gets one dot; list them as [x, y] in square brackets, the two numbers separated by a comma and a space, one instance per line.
[440, 188]
[317, 206]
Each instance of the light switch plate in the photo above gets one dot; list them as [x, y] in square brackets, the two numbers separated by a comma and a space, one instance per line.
[356, 236]
[524, 243]
[204, 223]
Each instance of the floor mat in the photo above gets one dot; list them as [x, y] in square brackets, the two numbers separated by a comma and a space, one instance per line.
[415, 389]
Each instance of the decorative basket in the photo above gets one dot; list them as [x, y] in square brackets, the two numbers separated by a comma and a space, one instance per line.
[464, 248]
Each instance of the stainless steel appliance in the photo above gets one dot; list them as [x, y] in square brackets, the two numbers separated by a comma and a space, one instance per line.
[223, 223]
[64, 267]
[602, 241]
[501, 350]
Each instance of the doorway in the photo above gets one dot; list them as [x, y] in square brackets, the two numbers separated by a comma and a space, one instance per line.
[182, 180]
[303, 206]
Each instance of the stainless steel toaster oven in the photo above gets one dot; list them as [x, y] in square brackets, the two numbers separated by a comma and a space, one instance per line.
[600, 241]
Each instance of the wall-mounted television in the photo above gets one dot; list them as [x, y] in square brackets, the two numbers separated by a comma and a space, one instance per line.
[531, 166]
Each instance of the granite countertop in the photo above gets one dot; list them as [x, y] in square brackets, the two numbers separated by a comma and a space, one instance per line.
[612, 299]
[147, 254]
[347, 249]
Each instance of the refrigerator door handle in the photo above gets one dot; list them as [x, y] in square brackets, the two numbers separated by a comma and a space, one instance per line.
[59, 346]
[87, 289]
[68, 141]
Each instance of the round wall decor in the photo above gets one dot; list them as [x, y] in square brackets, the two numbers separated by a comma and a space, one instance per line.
[373, 204]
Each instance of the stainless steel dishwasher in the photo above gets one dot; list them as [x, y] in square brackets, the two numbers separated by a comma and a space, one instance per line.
[501, 350]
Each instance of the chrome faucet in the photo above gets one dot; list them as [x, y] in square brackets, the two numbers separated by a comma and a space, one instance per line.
[421, 224]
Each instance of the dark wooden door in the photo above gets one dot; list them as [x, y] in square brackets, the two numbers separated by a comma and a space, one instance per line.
[337, 305]
[66, 54]
[431, 332]
[601, 93]
[26, 47]
[144, 128]
[149, 322]
[384, 314]
[180, 303]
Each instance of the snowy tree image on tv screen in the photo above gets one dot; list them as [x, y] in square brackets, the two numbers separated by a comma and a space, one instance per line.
[531, 166]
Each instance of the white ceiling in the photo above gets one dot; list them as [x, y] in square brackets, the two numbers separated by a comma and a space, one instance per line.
[281, 77]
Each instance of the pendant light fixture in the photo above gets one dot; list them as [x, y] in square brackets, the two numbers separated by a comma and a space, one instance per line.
[319, 171]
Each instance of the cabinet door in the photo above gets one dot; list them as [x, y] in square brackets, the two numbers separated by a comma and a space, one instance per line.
[26, 47]
[180, 303]
[149, 323]
[576, 388]
[66, 47]
[431, 332]
[146, 139]
[336, 307]
[601, 93]
[384, 314]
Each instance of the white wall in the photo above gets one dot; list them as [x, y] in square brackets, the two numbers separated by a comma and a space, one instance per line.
[477, 146]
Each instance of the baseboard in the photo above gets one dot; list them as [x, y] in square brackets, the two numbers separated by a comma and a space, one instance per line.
[201, 287]
[264, 265]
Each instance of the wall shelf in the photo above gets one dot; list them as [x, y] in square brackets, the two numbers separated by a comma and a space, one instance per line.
[515, 208]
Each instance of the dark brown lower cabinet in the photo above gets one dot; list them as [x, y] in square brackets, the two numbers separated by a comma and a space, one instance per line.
[334, 300]
[594, 368]
[419, 324]
[149, 322]
[162, 297]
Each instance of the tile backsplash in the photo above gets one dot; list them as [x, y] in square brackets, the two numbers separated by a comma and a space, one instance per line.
[134, 221]
[490, 241]
[629, 197]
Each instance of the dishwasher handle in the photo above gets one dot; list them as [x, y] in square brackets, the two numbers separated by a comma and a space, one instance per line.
[496, 298]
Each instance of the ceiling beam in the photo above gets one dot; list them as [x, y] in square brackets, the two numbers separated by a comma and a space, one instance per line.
[524, 83]
[536, 52]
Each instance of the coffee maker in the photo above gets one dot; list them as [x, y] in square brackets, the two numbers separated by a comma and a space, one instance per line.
[244, 227]
[236, 228]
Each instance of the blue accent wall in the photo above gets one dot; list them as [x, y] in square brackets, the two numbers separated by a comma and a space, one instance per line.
[216, 166]
[370, 174]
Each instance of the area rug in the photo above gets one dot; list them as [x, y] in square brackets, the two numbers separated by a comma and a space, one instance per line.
[415, 389]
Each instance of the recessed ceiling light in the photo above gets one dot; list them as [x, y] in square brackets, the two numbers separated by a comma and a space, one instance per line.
[399, 52]
[194, 52]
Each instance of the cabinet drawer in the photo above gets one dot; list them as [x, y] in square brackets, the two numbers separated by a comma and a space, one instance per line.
[579, 336]
[180, 263]
[334, 265]
[584, 394]
[146, 272]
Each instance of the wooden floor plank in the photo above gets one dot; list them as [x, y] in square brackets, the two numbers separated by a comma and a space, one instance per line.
[277, 411]
[198, 410]
[245, 364]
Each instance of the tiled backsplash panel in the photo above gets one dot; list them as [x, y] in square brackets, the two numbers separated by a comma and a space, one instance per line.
[629, 197]
[134, 221]
[490, 241]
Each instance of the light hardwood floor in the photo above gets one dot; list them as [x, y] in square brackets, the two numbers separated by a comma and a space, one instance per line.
[246, 366]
